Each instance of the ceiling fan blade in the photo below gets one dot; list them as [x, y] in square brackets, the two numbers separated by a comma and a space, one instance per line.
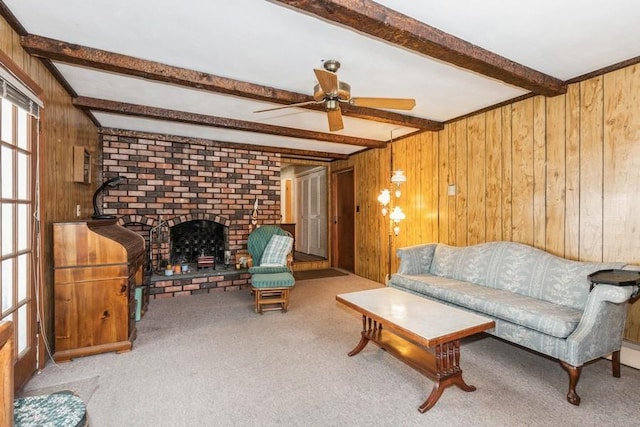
[390, 103]
[299, 104]
[328, 80]
[335, 120]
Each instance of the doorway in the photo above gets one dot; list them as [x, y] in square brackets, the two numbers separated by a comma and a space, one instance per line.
[304, 209]
[312, 212]
[343, 220]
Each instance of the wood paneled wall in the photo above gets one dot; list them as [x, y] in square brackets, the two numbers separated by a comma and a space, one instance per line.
[62, 127]
[560, 174]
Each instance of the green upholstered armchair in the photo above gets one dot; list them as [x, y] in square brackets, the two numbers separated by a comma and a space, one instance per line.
[270, 255]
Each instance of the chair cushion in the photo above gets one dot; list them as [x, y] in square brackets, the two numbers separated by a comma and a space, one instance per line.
[276, 252]
[261, 269]
[272, 280]
[60, 409]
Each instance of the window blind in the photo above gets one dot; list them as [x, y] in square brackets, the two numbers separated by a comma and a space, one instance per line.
[16, 92]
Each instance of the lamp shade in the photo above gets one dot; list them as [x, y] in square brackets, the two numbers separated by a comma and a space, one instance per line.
[398, 177]
[385, 197]
[397, 215]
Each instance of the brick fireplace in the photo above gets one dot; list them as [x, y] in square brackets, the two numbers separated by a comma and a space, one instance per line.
[173, 181]
[191, 241]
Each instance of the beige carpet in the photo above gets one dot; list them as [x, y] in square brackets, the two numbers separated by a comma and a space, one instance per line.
[210, 360]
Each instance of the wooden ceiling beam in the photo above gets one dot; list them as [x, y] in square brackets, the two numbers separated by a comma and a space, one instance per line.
[321, 155]
[93, 104]
[122, 64]
[379, 21]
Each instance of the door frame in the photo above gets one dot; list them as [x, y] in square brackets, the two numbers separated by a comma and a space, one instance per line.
[335, 203]
[312, 228]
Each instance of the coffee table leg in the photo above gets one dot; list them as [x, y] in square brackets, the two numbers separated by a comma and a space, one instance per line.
[448, 373]
[370, 328]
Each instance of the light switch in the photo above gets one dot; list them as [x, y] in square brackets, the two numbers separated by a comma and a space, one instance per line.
[452, 190]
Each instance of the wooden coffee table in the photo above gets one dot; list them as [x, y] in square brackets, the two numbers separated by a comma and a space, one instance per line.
[408, 326]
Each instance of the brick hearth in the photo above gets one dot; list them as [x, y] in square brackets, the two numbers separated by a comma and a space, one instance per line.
[175, 181]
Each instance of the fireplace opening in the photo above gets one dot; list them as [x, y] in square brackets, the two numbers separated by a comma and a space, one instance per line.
[198, 238]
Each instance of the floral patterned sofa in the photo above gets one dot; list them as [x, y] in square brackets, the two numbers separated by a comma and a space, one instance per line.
[537, 300]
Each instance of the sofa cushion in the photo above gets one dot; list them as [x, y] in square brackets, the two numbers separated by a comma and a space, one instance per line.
[537, 314]
[566, 282]
[519, 268]
[416, 259]
[468, 263]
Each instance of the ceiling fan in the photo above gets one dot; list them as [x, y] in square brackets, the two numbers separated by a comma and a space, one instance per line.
[330, 92]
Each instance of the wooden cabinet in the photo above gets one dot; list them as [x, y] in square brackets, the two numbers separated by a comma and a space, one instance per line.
[6, 373]
[97, 266]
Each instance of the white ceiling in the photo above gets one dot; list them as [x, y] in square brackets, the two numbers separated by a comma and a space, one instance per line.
[266, 43]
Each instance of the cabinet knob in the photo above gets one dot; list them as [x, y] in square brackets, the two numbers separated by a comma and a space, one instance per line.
[123, 289]
[106, 314]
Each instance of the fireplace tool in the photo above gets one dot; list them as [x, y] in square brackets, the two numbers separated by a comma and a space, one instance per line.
[161, 232]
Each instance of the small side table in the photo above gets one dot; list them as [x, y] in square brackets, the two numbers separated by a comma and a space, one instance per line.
[616, 278]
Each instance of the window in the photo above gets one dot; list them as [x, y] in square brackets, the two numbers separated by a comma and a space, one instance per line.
[16, 210]
[18, 143]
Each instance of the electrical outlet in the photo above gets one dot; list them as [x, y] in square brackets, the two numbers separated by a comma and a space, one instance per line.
[78, 212]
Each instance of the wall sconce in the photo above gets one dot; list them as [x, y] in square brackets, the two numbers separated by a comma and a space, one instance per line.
[384, 198]
[113, 182]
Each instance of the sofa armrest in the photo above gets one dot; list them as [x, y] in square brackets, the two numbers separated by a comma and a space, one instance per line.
[416, 259]
[601, 328]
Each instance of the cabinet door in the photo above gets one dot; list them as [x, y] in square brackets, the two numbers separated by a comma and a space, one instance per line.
[91, 313]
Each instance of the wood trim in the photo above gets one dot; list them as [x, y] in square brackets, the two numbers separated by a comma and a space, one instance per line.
[491, 108]
[123, 64]
[8, 64]
[136, 110]
[11, 19]
[401, 30]
[605, 70]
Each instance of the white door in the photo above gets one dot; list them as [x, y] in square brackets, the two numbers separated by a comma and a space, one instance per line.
[312, 211]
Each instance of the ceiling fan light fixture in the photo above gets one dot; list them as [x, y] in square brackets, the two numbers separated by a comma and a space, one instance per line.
[331, 104]
[330, 92]
[344, 91]
[331, 65]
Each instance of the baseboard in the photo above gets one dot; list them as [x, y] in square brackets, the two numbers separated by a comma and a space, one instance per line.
[630, 354]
